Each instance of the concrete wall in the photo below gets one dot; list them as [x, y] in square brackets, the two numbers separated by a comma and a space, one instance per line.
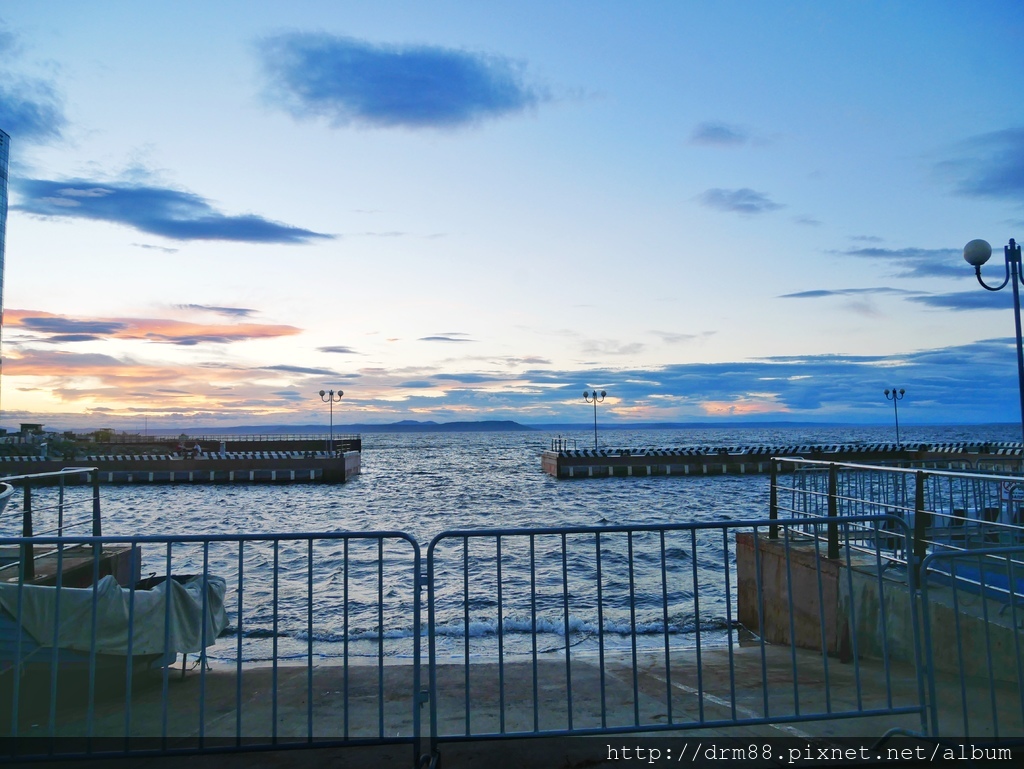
[814, 586]
[868, 616]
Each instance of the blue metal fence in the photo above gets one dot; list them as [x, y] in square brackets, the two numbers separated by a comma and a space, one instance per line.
[973, 609]
[583, 631]
[811, 615]
[317, 619]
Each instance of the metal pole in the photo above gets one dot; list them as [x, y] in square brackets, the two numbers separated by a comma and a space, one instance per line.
[1012, 252]
[593, 397]
[896, 412]
[833, 513]
[595, 400]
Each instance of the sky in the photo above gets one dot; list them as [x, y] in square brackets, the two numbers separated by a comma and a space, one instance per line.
[713, 211]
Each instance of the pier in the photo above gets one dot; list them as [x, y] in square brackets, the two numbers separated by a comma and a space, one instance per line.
[134, 459]
[561, 461]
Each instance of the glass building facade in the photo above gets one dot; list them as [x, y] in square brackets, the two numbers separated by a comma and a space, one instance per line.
[5, 152]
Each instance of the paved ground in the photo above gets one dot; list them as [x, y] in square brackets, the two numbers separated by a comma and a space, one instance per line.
[214, 707]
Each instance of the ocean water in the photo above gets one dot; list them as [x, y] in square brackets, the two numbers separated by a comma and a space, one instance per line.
[423, 484]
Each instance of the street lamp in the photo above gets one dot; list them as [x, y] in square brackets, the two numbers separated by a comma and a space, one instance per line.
[896, 396]
[595, 399]
[327, 396]
[976, 253]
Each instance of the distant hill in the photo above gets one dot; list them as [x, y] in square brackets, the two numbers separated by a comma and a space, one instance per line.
[404, 426]
[412, 426]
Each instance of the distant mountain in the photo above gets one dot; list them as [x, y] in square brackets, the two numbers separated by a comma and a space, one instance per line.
[404, 426]
[412, 426]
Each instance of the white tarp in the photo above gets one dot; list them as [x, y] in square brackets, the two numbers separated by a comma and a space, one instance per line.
[39, 605]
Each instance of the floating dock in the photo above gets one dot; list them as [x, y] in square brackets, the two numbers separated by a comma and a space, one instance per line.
[562, 462]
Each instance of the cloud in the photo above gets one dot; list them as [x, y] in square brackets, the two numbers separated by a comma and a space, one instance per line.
[989, 165]
[973, 383]
[340, 349]
[672, 337]
[968, 300]
[715, 134]
[918, 262]
[449, 337]
[173, 214]
[742, 201]
[49, 327]
[820, 293]
[30, 108]
[413, 86]
[233, 312]
[301, 370]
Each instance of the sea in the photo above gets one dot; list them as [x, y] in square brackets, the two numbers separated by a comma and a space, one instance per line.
[425, 483]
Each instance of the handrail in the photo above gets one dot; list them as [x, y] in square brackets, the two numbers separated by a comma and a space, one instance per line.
[29, 512]
[946, 510]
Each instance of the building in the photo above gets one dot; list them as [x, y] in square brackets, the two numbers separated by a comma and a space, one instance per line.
[5, 144]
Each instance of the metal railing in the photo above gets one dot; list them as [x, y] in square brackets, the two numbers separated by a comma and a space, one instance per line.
[810, 615]
[971, 629]
[945, 510]
[314, 622]
[584, 631]
[52, 504]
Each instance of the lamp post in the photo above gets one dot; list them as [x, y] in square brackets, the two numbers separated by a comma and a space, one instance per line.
[327, 396]
[594, 398]
[896, 396]
[976, 253]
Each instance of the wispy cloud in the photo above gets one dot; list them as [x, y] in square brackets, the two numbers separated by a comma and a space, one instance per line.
[820, 293]
[968, 300]
[717, 134]
[49, 327]
[917, 262]
[989, 165]
[339, 349]
[415, 86]
[451, 336]
[233, 312]
[30, 108]
[170, 213]
[742, 201]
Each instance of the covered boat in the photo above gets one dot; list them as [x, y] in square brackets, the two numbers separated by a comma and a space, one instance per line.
[109, 622]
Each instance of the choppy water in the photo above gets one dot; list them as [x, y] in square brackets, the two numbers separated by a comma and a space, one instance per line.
[427, 483]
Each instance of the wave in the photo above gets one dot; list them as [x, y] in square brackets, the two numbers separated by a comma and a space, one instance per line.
[510, 626]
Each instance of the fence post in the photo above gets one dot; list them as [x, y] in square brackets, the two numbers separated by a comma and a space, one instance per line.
[921, 520]
[97, 530]
[833, 513]
[773, 499]
[28, 566]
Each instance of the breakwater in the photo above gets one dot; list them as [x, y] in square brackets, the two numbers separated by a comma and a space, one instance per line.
[563, 462]
[214, 467]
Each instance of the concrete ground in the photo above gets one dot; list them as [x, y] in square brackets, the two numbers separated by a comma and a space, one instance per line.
[209, 709]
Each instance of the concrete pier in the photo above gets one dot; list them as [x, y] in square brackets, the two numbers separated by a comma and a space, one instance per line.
[227, 467]
[642, 462]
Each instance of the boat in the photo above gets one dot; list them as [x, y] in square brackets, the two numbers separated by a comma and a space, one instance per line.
[73, 629]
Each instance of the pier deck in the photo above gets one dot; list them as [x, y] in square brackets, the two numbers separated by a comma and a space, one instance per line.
[563, 462]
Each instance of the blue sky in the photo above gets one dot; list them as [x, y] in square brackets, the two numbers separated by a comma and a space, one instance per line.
[451, 210]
